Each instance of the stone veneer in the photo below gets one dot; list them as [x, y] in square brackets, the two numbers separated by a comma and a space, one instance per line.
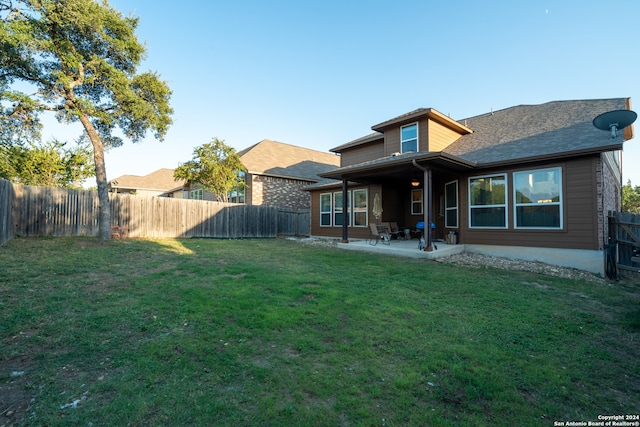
[276, 191]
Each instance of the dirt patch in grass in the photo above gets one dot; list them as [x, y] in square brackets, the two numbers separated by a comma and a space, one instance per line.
[15, 400]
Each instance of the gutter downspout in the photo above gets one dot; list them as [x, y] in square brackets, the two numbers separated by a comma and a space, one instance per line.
[427, 203]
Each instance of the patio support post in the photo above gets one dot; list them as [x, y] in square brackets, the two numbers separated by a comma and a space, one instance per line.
[427, 209]
[345, 216]
[426, 205]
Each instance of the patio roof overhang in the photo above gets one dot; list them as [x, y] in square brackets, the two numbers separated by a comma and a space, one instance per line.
[399, 167]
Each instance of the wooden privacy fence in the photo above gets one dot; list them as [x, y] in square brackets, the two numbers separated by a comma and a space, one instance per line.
[624, 230]
[45, 211]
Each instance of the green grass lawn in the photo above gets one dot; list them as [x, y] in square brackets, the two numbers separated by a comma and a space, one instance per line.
[277, 333]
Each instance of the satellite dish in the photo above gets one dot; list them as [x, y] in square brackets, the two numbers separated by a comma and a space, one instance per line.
[614, 120]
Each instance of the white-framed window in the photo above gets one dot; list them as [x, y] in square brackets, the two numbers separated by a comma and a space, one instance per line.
[360, 208]
[416, 201]
[538, 198]
[357, 208]
[451, 204]
[325, 210]
[337, 209]
[488, 201]
[196, 194]
[409, 138]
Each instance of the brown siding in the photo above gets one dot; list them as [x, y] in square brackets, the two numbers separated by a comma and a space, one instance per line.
[580, 212]
[391, 141]
[362, 153]
[440, 137]
[423, 135]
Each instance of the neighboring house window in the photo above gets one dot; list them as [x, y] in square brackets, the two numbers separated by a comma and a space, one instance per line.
[337, 209]
[409, 138]
[538, 198]
[325, 209]
[360, 208]
[196, 194]
[488, 201]
[451, 204]
[416, 202]
[237, 194]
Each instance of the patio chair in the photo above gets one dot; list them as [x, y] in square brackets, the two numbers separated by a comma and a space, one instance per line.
[394, 230]
[379, 233]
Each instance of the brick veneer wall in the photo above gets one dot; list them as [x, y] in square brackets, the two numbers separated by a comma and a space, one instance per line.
[609, 192]
[282, 192]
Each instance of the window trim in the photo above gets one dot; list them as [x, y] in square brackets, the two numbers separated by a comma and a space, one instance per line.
[417, 138]
[456, 208]
[330, 211]
[198, 193]
[364, 209]
[417, 202]
[337, 209]
[505, 205]
[560, 203]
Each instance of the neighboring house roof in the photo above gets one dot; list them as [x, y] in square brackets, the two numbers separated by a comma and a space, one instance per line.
[553, 129]
[289, 161]
[160, 180]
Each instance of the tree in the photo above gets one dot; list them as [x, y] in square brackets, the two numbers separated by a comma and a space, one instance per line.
[78, 59]
[216, 167]
[53, 164]
[631, 198]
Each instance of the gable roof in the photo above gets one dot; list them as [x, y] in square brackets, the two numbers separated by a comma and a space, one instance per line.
[278, 159]
[514, 135]
[420, 113]
[553, 129]
[362, 140]
[160, 180]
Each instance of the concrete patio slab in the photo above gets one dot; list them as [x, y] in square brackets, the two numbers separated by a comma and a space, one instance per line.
[403, 248]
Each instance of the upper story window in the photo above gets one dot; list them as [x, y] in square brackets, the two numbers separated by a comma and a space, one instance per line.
[409, 138]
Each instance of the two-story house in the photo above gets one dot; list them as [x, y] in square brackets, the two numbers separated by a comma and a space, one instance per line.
[530, 181]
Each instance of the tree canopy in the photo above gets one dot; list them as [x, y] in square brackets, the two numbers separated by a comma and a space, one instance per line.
[631, 198]
[216, 167]
[78, 59]
[53, 164]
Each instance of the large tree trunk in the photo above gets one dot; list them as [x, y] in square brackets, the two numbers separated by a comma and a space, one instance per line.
[104, 220]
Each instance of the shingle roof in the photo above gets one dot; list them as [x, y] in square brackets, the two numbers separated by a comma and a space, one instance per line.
[362, 140]
[162, 179]
[278, 159]
[529, 131]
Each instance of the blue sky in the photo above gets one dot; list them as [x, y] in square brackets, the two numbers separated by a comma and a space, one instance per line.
[320, 73]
